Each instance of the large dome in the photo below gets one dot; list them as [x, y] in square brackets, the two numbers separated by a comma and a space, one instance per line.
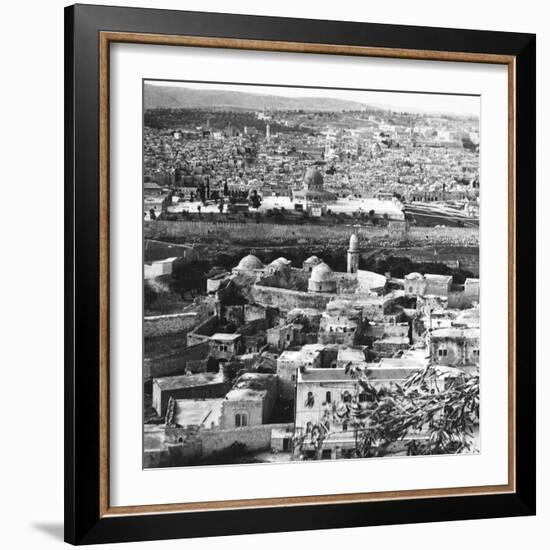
[322, 273]
[250, 263]
[313, 179]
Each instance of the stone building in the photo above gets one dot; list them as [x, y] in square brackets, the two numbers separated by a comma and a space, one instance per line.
[341, 323]
[422, 285]
[329, 401]
[225, 346]
[250, 401]
[188, 386]
[288, 364]
[455, 346]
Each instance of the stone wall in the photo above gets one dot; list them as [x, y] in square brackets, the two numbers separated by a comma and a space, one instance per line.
[255, 438]
[159, 325]
[286, 300]
[175, 363]
[185, 448]
[203, 332]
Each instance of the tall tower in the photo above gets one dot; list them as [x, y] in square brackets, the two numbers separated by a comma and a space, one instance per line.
[353, 254]
[267, 133]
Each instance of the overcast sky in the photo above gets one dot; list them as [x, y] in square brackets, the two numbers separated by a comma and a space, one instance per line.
[400, 101]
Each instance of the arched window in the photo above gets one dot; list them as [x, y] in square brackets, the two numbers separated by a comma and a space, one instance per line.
[346, 397]
[241, 420]
[327, 397]
[310, 401]
[345, 426]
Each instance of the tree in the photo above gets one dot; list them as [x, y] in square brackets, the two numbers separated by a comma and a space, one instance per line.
[433, 419]
[189, 277]
[435, 411]
[255, 200]
[149, 296]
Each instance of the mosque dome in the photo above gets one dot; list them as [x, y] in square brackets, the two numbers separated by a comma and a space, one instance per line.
[313, 260]
[413, 276]
[279, 261]
[313, 179]
[322, 273]
[322, 279]
[250, 263]
[354, 243]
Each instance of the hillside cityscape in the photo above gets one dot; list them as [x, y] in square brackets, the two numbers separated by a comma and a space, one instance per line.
[311, 274]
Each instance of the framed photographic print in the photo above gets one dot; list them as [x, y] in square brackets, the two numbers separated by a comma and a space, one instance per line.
[299, 274]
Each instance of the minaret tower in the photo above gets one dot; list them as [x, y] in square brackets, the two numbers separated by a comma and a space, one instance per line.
[353, 254]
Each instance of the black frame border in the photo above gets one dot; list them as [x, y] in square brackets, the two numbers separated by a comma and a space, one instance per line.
[83, 524]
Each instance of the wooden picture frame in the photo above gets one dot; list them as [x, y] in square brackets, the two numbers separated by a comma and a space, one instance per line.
[89, 32]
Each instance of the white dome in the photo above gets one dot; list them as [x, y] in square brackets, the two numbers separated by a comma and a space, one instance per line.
[313, 260]
[322, 273]
[249, 263]
[414, 276]
[279, 261]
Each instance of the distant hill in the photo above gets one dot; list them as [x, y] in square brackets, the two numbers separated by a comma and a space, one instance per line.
[174, 97]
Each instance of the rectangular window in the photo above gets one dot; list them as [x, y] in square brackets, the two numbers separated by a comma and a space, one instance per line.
[442, 352]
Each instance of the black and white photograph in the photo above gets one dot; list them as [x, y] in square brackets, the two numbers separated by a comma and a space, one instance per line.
[310, 273]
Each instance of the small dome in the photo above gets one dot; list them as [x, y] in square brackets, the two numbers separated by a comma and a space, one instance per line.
[278, 264]
[354, 243]
[414, 276]
[249, 263]
[322, 273]
[313, 260]
[279, 261]
[313, 179]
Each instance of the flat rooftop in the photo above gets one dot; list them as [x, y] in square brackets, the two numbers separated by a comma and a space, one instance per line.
[188, 380]
[455, 332]
[374, 371]
[225, 337]
[251, 386]
[198, 412]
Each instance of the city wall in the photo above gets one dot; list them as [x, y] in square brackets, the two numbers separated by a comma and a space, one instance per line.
[239, 232]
